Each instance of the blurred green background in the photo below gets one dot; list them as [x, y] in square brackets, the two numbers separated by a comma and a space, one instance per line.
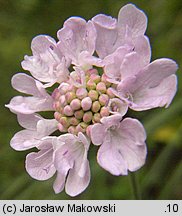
[161, 176]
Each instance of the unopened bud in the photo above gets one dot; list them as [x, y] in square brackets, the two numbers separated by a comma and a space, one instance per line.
[72, 130]
[64, 121]
[92, 71]
[95, 78]
[96, 118]
[87, 117]
[81, 127]
[75, 104]
[109, 92]
[81, 93]
[68, 111]
[79, 114]
[61, 128]
[88, 130]
[91, 85]
[62, 100]
[56, 94]
[104, 111]
[93, 94]
[86, 103]
[74, 121]
[95, 106]
[63, 88]
[57, 116]
[103, 99]
[70, 96]
[101, 87]
[72, 88]
[104, 79]
[56, 105]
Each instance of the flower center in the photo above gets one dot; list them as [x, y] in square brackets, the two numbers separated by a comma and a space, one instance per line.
[78, 107]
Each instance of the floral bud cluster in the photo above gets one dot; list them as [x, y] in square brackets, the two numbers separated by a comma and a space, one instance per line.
[76, 108]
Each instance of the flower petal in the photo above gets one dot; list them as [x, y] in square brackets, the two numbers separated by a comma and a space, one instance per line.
[158, 96]
[35, 131]
[76, 36]
[97, 133]
[117, 106]
[133, 18]
[155, 72]
[46, 127]
[28, 121]
[62, 164]
[39, 165]
[154, 86]
[123, 147]
[24, 140]
[29, 105]
[109, 121]
[106, 34]
[86, 61]
[59, 183]
[75, 183]
[26, 84]
[47, 63]
[142, 47]
[42, 43]
[110, 159]
[113, 63]
[131, 65]
[133, 147]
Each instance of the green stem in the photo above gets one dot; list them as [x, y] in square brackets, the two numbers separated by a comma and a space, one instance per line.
[135, 186]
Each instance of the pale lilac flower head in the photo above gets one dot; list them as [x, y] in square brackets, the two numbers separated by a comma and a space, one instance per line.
[97, 70]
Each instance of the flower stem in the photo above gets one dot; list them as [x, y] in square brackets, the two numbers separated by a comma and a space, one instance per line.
[135, 186]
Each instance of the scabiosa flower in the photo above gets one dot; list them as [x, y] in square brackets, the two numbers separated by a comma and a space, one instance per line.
[111, 73]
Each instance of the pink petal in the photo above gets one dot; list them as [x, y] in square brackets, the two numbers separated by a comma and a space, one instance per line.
[113, 63]
[133, 18]
[75, 183]
[62, 161]
[39, 165]
[133, 147]
[76, 36]
[59, 183]
[142, 47]
[158, 96]
[97, 134]
[47, 63]
[109, 121]
[24, 140]
[28, 121]
[106, 34]
[131, 65]
[110, 158]
[26, 84]
[86, 60]
[90, 37]
[84, 140]
[123, 147]
[42, 43]
[155, 72]
[152, 86]
[46, 127]
[117, 106]
[29, 105]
